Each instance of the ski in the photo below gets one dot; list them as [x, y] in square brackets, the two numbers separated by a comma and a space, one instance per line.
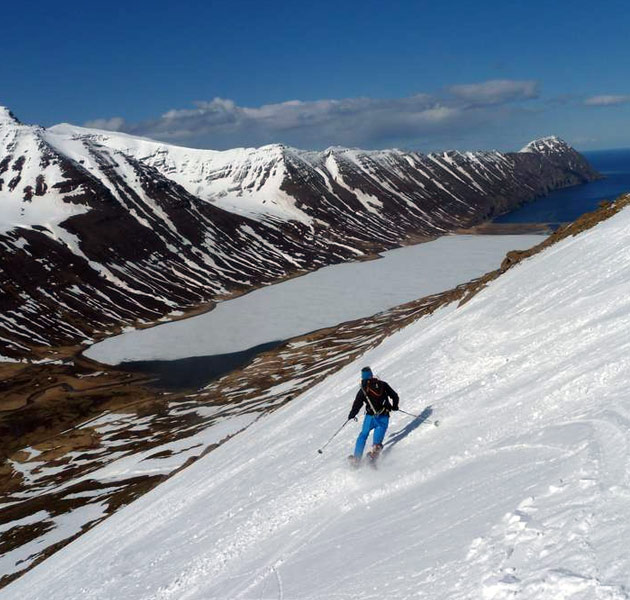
[373, 454]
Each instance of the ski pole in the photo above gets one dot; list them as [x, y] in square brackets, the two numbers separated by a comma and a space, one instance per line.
[321, 450]
[436, 423]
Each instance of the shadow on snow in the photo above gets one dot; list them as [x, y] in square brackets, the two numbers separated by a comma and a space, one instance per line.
[397, 436]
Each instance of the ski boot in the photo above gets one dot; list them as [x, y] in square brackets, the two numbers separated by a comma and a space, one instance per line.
[373, 454]
[353, 461]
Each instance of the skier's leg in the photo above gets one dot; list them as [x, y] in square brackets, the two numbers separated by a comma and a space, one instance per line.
[380, 428]
[368, 425]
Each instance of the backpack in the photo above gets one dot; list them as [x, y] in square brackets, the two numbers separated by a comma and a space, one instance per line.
[373, 392]
[374, 388]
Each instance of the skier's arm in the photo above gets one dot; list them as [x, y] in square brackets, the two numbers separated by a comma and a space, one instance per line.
[392, 395]
[356, 405]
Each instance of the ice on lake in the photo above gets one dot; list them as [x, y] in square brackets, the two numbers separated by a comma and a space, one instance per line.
[320, 299]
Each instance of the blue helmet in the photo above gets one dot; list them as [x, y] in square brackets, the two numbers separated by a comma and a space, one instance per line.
[366, 373]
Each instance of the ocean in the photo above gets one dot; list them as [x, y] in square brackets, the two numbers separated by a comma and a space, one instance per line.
[568, 204]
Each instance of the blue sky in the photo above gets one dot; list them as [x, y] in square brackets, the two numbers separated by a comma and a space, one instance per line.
[420, 75]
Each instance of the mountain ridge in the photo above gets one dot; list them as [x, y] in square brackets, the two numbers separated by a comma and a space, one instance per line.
[174, 161]
[102, 230]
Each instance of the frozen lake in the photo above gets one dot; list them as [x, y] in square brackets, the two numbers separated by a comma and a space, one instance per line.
[320, 299]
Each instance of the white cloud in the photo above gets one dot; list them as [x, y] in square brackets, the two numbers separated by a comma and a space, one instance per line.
[367, 122]
[606, 100]
[496, 91]
[113, 124]
[350, 121]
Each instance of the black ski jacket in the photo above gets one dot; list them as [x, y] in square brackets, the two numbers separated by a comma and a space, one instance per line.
[376, 396]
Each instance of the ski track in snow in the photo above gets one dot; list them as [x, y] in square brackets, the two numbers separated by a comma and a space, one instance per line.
[523, 492]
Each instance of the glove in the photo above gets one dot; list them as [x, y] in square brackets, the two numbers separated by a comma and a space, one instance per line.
[394, 407]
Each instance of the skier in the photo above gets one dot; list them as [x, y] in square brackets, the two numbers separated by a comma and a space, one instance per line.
[376, 395]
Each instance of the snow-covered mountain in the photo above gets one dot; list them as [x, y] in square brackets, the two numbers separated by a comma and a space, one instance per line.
[278, 182]
[100, 230]
[522, 492]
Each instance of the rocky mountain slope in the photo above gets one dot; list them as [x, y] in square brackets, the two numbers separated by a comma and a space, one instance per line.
[102, 230]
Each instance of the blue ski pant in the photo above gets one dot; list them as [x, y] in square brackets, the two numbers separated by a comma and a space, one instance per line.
[379, 424]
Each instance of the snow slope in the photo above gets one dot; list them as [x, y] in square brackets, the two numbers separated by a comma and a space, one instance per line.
[220, 176]
[523, 492]
[37, 174]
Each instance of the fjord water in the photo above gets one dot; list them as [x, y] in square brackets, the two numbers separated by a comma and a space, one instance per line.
[568, 204]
